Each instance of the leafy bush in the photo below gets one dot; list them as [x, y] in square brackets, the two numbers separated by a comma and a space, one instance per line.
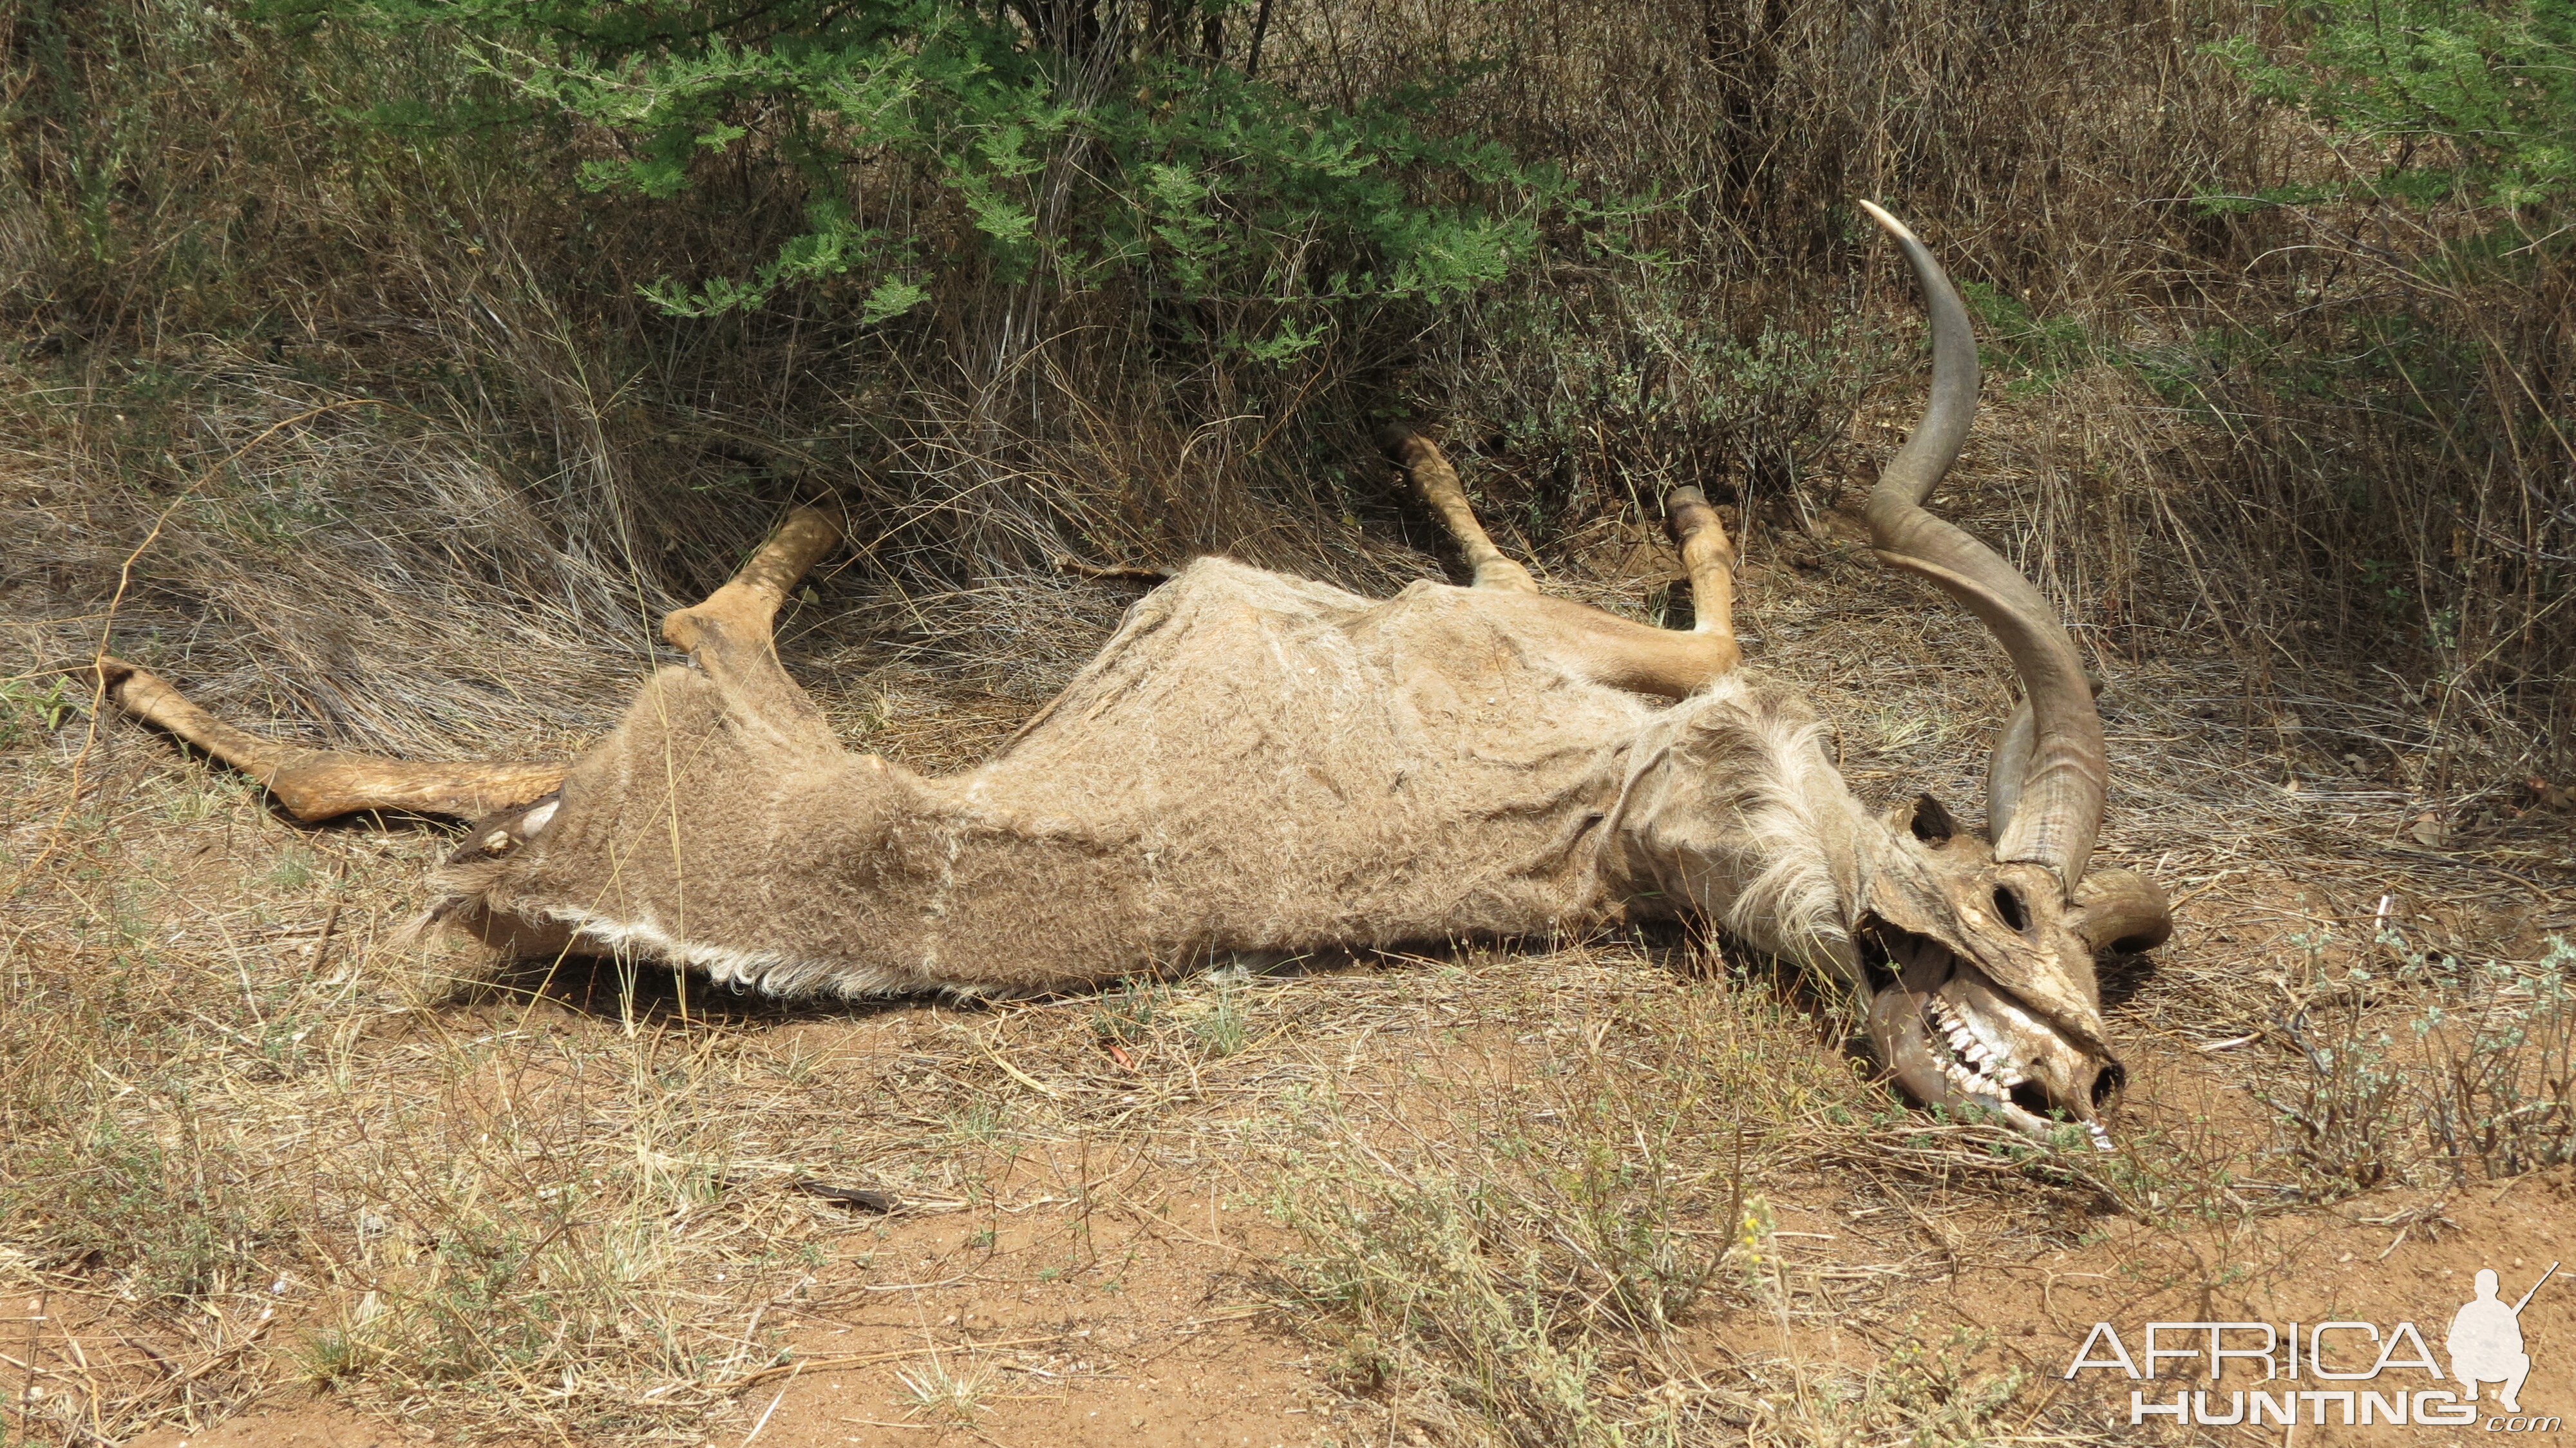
[2502, 1092]
[936, 146]
[2468, 100]
[2435, 277]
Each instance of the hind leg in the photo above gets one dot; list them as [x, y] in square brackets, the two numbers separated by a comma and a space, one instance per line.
[728, 636]
[1440, 487]
[1585, 640]
[1709, 559]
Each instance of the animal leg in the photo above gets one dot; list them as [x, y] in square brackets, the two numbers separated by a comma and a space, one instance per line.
[729, 636]
[1708, 556]
[1438, 481]
[1651, 660]
[320, 784]
[1599, 646]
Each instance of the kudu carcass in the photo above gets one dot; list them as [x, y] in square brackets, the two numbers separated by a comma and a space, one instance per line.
[1263, 767]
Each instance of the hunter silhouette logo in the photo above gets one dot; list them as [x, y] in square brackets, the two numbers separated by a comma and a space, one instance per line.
[2486, 1341]
[2362, 1375]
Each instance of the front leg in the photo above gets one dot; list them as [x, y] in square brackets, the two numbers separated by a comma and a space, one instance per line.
[320, 784]
[730, 636]
[1429, 469]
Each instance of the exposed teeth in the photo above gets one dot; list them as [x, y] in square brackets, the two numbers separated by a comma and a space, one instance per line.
[1972, 1078]
[1983, 1070]
[1979, 1067]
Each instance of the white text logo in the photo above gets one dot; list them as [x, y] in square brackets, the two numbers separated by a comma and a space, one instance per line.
[2485, 1346]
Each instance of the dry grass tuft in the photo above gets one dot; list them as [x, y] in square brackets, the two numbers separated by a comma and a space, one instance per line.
[1515, 1238]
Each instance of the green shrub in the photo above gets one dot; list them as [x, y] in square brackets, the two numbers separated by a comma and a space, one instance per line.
[2433, 275]
[2479, 1080]
[2465, 100]
[936, 146]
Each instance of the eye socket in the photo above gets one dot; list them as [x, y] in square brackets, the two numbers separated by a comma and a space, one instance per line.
[2008, 905]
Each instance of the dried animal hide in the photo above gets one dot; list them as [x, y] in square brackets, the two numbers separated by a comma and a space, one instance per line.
[1256, 766]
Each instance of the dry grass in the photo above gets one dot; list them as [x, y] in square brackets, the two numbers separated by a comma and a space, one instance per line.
[256, 1136]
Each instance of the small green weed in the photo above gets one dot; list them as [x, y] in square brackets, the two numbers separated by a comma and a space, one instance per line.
[293, 869]
[950, 1395]
[31, 712]
[977, 1120]
[1220, 1029]
[1126, 1016]
[2473, 1075]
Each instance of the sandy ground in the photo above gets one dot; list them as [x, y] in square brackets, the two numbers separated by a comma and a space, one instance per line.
[946, 1323]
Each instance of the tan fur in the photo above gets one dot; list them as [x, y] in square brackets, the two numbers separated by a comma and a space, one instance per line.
[1255, 765]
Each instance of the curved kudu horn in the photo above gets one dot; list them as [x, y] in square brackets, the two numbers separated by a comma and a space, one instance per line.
[2118, 909]
[2049, 778]
[2011, 758]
